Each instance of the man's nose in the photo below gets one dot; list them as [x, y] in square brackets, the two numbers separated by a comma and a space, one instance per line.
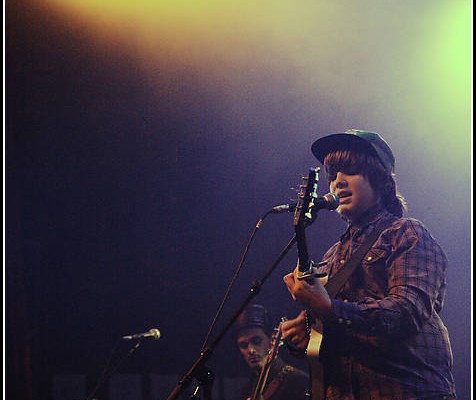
[252, 350]
[340, 181]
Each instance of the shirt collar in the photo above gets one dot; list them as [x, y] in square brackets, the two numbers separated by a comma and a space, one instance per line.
[371, 217]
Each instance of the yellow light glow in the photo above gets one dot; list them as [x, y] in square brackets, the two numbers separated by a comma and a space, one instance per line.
[403, 67]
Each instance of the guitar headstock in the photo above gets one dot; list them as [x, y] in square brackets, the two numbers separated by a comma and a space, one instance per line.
[276, 340]
[307, 194]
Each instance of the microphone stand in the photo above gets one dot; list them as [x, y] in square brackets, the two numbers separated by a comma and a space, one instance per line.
[109, 370]
[198, 370]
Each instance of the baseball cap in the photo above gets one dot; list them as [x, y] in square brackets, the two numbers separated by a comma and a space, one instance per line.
[359, 140]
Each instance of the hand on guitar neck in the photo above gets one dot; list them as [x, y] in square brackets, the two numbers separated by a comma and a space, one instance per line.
[304, 333]
[312, 295]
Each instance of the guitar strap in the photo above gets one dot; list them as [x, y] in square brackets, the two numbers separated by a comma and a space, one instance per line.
[335, 284]
[274, 384]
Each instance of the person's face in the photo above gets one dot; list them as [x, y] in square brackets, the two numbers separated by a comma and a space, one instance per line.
[254, 345]
[356, 195]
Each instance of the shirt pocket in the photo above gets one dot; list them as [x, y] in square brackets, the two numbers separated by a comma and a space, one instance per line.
[374, 266]
[374, 258]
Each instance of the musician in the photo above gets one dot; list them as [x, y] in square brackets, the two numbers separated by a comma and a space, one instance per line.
[253, 331]
[382, 334]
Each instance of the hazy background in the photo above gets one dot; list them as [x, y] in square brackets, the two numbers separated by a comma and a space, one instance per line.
[145, 139]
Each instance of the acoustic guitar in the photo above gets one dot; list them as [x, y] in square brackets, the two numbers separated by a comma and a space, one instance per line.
[304, 215]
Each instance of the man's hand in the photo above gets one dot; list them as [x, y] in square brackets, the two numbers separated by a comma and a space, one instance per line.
[295, 332]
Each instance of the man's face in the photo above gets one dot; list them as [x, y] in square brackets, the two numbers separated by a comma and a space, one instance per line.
[254, 345]
[356, 195]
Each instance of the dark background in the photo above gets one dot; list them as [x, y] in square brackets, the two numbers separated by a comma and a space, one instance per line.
[134, 179]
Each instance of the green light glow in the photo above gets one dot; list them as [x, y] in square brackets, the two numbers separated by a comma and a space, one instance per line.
[443, 86]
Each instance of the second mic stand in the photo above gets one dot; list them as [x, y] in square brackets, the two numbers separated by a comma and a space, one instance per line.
[198, 370]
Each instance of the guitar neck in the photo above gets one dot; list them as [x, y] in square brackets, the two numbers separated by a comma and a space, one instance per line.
[304, 265]
[302, 218]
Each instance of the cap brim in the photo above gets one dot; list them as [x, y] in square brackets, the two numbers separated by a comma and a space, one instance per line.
[340, 141]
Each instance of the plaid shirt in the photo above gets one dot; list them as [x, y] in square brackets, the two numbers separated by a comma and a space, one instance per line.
[386, 339]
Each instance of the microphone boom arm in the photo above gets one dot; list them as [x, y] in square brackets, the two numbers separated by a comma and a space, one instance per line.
[198, 367]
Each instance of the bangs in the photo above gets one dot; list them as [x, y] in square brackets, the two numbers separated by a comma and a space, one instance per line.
[346, 161]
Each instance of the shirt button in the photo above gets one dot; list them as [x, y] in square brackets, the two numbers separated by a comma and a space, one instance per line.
[340, 320]
[348, 322]
[369, 258]
[342, 261]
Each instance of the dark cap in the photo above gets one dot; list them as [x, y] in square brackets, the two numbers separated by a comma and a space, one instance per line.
[253, 316]
[354, 139]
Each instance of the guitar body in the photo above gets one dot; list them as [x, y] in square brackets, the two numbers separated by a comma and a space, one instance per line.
[315, 367]
[315, 338]
[312, 354]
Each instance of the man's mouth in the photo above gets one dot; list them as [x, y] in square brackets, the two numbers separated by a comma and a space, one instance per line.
[343, 196]
[254, 360]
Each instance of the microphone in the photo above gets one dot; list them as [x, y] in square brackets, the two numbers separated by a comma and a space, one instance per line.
[152, 333]
[283, 208]
[329, 201]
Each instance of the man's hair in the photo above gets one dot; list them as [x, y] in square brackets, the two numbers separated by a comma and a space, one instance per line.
[384, 183]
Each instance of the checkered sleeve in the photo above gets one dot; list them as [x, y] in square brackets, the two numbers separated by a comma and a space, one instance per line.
[414, 284]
